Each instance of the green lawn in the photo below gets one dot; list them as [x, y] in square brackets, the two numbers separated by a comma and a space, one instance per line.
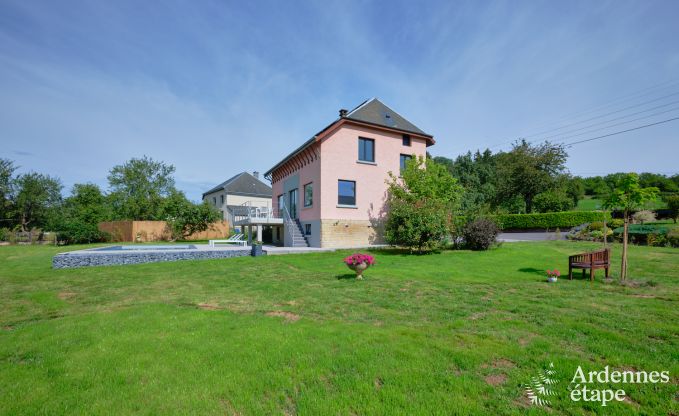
[452, 333]
[589, 204]
[594, 204]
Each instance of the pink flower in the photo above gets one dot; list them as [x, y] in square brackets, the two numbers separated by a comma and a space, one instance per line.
[359, 258]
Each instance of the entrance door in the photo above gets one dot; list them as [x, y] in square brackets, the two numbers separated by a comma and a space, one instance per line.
[293, 203]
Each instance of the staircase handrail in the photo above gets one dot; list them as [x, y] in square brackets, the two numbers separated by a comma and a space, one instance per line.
[286, 214]
[290, 223]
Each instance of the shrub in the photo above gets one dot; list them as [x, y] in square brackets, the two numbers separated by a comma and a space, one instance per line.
[616, 223]
[549, 220]
[76, 232]
[422, 225]
[640, 234]
[4, 234]
[514, 205]
[186, 218]
[552, 201]
[597, 235]
[577, 232]
[596, 226]
[420, 205]
[589, 232]
[480, 234]
[457, 228]
[641, 217]
[656, 239]
[673, 237]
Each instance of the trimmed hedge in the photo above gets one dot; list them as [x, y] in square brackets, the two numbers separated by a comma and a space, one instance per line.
[643, 229]
[661, 214]
[653, 235]
[548, 220]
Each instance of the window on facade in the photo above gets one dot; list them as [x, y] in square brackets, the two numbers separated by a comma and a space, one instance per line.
[346, 192]
[307, 229]
[366, 150]
[406, 140]
[308, 194]
[404, 159]
[214, 200]
[280, 204]
[222, 197]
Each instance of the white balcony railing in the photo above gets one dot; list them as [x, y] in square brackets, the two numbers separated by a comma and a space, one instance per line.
[249, 213]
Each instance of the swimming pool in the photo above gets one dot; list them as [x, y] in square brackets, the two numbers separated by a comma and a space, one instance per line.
[136, 254]
[145, 247]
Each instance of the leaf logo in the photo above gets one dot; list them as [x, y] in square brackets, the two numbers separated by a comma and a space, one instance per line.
[539, 389]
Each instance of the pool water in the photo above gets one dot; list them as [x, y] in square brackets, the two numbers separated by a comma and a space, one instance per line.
[144, 248]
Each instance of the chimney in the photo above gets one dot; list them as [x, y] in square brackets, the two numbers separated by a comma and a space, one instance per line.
[255, 174]
[343, 112]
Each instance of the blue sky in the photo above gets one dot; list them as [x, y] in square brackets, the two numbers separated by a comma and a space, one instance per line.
[219, 87]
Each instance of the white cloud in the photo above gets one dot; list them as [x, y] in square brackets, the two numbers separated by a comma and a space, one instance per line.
[230, 87]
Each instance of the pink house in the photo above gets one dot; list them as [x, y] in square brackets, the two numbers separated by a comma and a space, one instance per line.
[331, 190]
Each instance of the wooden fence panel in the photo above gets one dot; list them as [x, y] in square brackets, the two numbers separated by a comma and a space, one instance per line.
[144, 231]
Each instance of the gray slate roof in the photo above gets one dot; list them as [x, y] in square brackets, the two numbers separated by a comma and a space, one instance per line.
[376, 112]
[371, 111]
[243, 184]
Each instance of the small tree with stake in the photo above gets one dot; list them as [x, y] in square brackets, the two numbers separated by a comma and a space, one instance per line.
[628, 195]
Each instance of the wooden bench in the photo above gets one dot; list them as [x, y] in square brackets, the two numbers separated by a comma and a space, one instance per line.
[599, 259]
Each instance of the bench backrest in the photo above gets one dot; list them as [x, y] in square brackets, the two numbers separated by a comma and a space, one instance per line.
[601, 255]
[597, 256]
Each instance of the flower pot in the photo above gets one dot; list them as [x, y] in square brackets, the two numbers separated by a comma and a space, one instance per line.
[551, 279]
[359, 269]
[256, 250]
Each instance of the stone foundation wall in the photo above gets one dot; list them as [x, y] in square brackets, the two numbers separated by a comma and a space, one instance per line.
[84, 259]
[350, 233]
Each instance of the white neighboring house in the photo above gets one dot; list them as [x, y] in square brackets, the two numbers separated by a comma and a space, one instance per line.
[242, 190]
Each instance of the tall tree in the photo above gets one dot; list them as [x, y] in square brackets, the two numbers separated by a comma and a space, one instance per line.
[476, 173]
[662, 182]
[675, 179]
[7, 169]
[77, 220]
[574, 188]
[627, 196]
[35, 195]
[87, 204]
[596, 186]
[138, 188]
[528, 170]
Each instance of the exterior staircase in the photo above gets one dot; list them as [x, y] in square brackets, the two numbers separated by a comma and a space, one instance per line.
[298, 237]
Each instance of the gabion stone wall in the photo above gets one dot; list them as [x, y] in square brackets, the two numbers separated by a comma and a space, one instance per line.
[100, 258]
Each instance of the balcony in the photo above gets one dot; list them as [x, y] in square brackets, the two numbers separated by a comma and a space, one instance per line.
[249, 214]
